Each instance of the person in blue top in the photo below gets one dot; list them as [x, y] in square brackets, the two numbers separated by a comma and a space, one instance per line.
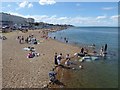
[52, 76]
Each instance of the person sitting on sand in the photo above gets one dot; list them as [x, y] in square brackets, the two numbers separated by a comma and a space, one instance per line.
[35, 54]
[29, 55]
[31, 48]
[52, 76]
[35, 41]
[4, 38]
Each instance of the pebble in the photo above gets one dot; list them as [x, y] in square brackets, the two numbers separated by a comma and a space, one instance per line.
[45, 86]
[73, 68]
[80, 66]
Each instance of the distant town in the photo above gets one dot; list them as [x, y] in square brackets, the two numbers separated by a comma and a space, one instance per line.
[10, 22]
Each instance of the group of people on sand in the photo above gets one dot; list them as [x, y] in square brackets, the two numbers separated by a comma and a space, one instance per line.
[60, 61]
[44, 34]
[32, 53]
[30, 39]
[21, 39]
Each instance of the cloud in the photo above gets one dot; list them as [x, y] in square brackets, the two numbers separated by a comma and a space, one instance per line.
[108, 8]
[23, 4]
[47, 2]
[101, 17]
[77, 21]
[30, 5]
[115, 17]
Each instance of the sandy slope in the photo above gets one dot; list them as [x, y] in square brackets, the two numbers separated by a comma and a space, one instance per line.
[20, 72]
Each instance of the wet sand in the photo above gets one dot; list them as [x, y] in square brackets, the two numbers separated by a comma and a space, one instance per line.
[21, 72]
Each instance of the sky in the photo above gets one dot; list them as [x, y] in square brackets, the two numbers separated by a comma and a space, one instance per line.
[74, 13]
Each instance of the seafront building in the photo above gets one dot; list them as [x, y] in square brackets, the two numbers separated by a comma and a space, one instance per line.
[13, 21]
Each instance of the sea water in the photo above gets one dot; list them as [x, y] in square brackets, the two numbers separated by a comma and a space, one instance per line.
[102, 73]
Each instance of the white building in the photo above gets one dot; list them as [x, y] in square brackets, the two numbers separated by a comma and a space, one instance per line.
[12, 20]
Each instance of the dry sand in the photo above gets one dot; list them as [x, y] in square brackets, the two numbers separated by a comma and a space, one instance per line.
[0, 63]
[21, 72]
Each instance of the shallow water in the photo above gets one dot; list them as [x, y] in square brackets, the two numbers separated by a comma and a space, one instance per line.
[102, 73]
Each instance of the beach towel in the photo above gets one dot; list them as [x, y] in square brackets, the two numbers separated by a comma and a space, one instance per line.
[26, 49]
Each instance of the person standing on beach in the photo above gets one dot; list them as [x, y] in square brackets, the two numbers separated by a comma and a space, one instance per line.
[82, 50]
[22, 38]
[55, 59]
[105, 48]
[67, 57]
[54, 37]
[65, 38]
[67, 60]
[66, 41]
[101, 51]
[59, 57]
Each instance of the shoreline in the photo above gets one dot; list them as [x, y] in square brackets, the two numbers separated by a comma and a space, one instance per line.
[18, 70]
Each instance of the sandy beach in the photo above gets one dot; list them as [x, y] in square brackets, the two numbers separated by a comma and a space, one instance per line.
[0, 63]
[21, 72]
